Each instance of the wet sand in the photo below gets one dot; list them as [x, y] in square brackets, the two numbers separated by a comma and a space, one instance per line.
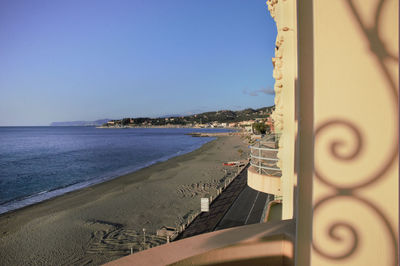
[102, 223]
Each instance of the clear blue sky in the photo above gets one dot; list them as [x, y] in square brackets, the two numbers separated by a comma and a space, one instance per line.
[87, 60]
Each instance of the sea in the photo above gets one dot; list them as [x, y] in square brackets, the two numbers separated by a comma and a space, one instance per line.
[39, 163]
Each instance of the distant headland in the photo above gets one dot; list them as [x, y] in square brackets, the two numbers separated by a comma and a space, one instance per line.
[80, 123]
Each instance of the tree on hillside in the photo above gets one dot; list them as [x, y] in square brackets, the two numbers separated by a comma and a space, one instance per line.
[126, 121]
[260, 128]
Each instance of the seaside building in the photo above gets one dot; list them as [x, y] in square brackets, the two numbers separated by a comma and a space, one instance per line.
[248, 128]
[232, 125]
[339, 180]
[270, 123]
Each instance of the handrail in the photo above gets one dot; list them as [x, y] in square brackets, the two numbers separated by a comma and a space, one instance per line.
[263, 159]
[265, 167]
[263, 149]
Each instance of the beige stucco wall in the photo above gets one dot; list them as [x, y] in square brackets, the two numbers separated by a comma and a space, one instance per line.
[285, 74]
[338, 114]
[355, 187]
[264, 183]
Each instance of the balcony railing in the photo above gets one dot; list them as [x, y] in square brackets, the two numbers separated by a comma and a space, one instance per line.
[263, 156]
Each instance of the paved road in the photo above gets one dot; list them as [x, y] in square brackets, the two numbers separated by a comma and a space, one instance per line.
[247, 209]
[207, 221]
[237, 205]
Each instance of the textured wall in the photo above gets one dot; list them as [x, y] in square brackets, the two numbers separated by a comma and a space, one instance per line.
[336, 71]
[355, 186]
[285, 74]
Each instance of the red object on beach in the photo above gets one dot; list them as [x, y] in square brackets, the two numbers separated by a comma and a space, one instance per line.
[231, 163]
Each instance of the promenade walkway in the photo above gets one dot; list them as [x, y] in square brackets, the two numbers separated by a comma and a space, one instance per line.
[208, 221]
[248, 208]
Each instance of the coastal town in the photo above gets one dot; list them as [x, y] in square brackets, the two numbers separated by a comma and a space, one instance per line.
[250, 120]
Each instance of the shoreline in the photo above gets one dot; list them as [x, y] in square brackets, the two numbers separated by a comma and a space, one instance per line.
[99, 181]
[168, 126]
[71, 228]
[34, 199]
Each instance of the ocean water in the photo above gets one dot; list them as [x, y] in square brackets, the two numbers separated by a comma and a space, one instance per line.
[38, 163]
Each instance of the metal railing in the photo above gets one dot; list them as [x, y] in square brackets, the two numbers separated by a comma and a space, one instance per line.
[263, 157]
[272, 139]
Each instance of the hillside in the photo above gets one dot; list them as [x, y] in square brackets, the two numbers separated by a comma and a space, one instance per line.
[223, 116]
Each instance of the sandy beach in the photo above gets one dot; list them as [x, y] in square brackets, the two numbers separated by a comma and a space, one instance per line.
[101, 223]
